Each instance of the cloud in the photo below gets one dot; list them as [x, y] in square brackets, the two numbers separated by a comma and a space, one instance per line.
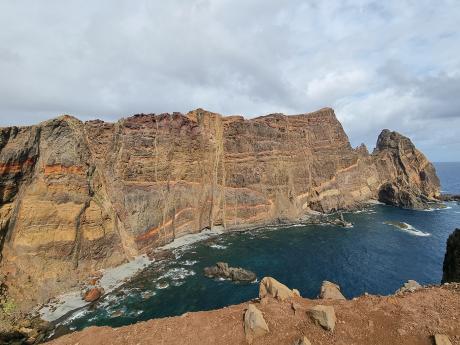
[380, 64]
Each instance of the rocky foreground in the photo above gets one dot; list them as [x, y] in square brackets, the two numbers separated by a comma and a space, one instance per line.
[414, 316]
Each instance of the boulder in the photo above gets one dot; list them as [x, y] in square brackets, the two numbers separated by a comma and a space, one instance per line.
[451, 266]
[302, 341]
[254, 324]
[441, 339]
[93, 294]
[271, 287]
[409, 286]
[330, 290]
[324, 315]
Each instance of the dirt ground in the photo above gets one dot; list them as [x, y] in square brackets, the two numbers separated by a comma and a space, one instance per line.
[411, 318]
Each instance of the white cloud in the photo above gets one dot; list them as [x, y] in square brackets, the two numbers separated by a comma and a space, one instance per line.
[380, 64]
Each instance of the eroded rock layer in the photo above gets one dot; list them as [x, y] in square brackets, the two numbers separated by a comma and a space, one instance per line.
[76, 197]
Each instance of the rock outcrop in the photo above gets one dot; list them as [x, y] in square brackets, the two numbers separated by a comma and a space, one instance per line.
[413, 180]
[272, 288]
[451, 266]
[441, 339]
[93, 294]
[409, 286]
[222, 270]
[76, 196]
[330, 290]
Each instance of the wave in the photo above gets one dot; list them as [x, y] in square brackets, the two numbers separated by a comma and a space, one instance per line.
[191, 238]
[162, 285]
[407, 228]
[189, 262]
[436, 209]
[177, 274]
[218, 246]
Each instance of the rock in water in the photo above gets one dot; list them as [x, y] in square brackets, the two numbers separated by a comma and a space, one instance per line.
[324, 315]
[271, 287]
[451, 266]
[441, 339]
[222, 270]
[331, 291]
[254, 324]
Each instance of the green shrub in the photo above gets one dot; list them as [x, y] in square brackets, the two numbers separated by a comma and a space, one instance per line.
[9, 306]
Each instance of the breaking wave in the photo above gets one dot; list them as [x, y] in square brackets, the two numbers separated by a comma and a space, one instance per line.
[407, 228]
[218, 246]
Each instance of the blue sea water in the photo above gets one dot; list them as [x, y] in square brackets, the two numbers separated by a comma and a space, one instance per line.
[372, 257]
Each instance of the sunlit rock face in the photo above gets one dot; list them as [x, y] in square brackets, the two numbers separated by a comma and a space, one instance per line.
[76, 197]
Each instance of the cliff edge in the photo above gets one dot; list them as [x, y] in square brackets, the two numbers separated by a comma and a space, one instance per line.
[76, 196]
[425, 316]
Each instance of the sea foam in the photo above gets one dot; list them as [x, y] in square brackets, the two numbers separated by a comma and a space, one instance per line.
[407, 228]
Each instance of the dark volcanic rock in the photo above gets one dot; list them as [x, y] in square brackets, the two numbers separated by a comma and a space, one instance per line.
[451, 266]
[221, 270]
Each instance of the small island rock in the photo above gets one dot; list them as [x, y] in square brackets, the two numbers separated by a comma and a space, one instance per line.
[222, 270]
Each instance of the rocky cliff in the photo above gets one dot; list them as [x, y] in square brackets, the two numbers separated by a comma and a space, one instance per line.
[451, 266]
[76, 197]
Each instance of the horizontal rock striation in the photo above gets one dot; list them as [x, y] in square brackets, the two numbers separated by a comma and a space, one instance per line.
[79, 196]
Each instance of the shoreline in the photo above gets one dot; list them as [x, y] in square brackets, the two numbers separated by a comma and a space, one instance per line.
[71, 302]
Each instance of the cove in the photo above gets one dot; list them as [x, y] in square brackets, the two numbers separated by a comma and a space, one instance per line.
[374, 256]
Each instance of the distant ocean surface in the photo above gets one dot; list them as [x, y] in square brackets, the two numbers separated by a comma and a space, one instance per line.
[372, 257]
[449, 174]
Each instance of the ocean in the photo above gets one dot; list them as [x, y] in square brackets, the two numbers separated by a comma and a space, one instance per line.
[374, 256]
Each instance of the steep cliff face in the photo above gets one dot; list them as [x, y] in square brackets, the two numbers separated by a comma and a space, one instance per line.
[412, 180]
[76, 197]
[451, 266]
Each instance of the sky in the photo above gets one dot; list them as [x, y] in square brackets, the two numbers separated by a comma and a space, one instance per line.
[380, 64]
